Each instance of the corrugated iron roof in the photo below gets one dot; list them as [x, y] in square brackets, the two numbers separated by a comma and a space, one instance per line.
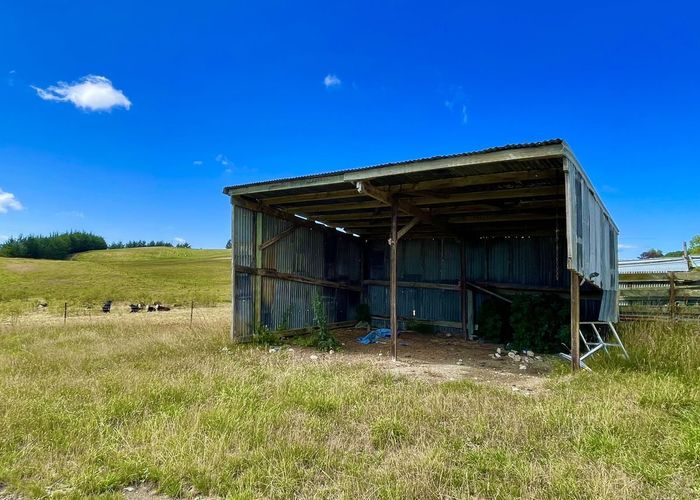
[659, 265]
[524, 145]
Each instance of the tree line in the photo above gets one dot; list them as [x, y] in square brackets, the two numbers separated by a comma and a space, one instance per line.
[58, 246]
[693, 249]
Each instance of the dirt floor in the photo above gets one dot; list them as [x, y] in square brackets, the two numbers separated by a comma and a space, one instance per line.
[443, 357]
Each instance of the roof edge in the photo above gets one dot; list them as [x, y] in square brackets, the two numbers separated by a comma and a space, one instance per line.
[552, 147]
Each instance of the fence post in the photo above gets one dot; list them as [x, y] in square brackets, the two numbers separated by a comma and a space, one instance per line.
[191, 312]
[672, 295]
[65, 312]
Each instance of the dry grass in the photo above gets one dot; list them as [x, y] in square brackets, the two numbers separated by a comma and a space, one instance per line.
[93, 407]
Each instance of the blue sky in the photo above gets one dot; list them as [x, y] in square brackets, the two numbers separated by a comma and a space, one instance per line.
[207, 94]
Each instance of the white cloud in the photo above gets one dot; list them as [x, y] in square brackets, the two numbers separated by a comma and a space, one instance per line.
[624, 246]
[223, 159]
[91, 92]
[456, 102]
[179, 240]
[331, 81]
[8, 202]
[198, 163]
[4, 237]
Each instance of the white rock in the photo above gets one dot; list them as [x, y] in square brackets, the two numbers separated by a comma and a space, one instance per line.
[380, 354]
[539, 358]
[523, 367]
[448, 335]
[517, 357]
[460, 362]
[313, 357]
[129, 489]
[499, 351]
[530, 354]
[331, 351]
[511, 354]
[497, 355]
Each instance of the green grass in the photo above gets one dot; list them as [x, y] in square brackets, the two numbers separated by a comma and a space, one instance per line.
[91, 408]
[168, 275]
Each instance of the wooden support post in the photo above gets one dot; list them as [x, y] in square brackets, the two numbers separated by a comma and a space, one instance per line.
[575, 318]
[393, 278]
[672, 295]
[233, 270]
[470, 313]
[257, 279]
[463, 287]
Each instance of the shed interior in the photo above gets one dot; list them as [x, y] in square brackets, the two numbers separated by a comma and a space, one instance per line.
[439, 235]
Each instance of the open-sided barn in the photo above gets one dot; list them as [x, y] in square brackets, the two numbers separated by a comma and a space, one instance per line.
[424, 240]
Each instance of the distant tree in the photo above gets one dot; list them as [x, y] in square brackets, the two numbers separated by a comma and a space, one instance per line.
[694, 245]
[184, 244]
[652, 253]
[55, 246]
[228, 244]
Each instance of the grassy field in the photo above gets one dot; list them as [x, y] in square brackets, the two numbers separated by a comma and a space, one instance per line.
[168, 275]
[92, 408]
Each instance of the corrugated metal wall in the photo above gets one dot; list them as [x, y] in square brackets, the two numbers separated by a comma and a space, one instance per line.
[593, 245]
[309, 253]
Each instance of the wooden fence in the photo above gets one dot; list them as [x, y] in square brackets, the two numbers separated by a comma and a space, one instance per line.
[663, 295]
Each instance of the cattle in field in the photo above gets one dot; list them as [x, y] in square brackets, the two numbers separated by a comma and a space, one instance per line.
[107, 306]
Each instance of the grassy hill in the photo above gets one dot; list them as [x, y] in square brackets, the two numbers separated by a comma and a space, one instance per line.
[168, 275]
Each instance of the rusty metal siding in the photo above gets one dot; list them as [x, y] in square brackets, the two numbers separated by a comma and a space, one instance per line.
[592, 242]
[311, 253]
[244, 305]
[244, 236]
[532, 261]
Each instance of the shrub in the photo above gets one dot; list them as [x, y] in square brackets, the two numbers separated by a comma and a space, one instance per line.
[262, 335]
[322, 339]
[540, 322]
[494, 321]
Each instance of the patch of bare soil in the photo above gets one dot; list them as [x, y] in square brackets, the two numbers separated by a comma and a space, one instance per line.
[440, 358]
[20, 267]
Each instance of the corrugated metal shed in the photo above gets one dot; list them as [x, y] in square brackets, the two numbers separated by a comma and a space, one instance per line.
[519, 217]
[659, 265]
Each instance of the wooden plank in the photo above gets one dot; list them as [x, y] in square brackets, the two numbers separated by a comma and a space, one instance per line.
[405, 206]
[278, 237]
[405, 229]
[446, 199]
[441, 323]
[477, 180]
[520, 154]
[257, 206]
[470, 313]
[414, 284]
[575, 318]
[234, 331]
[298, 198]
[393, 277]
[271, 273]
[476, 219]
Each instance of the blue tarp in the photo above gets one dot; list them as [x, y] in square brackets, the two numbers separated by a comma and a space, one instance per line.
[374, 335]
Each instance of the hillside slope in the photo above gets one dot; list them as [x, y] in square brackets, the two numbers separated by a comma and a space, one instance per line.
[167, 275]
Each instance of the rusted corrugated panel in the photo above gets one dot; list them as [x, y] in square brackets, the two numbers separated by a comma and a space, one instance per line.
[519, 260]
[244, 305]
[593, 248]
[291, 303]
[244, 237]
[300, 253]
[420, 303]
